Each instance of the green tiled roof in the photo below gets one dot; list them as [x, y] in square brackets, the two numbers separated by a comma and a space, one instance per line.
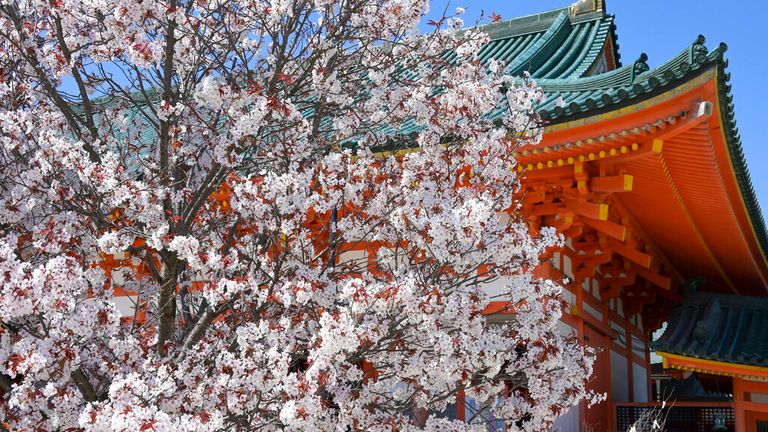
[555, 44]
[716, 327]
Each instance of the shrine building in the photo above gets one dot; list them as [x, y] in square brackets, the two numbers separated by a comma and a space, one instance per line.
[641, 168]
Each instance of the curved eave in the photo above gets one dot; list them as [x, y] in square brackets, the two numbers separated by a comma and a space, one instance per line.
[620, 107]
[736, 155]
[713, 367]
[721, 235]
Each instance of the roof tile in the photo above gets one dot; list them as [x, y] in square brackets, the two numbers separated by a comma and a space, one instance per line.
[718, 327]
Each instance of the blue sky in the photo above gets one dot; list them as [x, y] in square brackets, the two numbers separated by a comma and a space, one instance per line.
[662, 28]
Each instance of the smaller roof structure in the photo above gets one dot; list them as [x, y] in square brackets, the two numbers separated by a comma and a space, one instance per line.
[718, 334]
[696, 387]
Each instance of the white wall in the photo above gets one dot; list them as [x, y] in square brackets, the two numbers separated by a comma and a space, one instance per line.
[360, 258]
[639, 383]
[568, 422]
[619, 384]
[496, 288]
[126, 305]
[565, 329]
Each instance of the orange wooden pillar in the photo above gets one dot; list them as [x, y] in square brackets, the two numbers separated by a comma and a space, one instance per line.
[746, 410]
[738, 405]
[598, 417]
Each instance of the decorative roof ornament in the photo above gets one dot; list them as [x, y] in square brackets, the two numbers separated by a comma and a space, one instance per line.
[586, 6]
[639, 66]
[709, 320]
[698, 51]
[692, 285]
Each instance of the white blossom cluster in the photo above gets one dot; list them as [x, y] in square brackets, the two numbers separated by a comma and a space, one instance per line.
[233, 156]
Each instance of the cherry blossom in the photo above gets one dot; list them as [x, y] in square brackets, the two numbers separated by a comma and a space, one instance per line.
[268, 215]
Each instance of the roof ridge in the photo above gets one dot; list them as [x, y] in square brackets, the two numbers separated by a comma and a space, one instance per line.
[519, 26]
[541, 21]
[609, 26]
[629, 82]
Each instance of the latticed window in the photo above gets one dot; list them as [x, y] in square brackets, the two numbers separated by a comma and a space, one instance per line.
[679, 419]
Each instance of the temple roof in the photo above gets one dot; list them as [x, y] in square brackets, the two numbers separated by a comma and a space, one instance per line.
[573, 98]
[563, 43]
[562, 49]
[721, 328]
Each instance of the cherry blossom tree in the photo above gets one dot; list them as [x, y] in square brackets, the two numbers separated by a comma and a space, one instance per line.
[309, 197]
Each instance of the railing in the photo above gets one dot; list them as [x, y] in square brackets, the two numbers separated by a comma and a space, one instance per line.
[678, 416]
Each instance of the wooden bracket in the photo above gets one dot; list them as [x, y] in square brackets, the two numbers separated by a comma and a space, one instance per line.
[619, 183]
[654, 278]
[640, 258]
[608, 228]
[582, 178]
[588, 209]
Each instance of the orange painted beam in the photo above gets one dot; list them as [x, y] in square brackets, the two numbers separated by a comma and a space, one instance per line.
[641, 258]
[547, 174]
[533, 196]
[543, 209]
[619, 183]
[564, 222]
[654, 278]
[588, 209]
[499, 307]
[611, 229]
[574, 231]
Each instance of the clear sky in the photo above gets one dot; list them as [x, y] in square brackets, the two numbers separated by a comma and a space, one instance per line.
[663, 28]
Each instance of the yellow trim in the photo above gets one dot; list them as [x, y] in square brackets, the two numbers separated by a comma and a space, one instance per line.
[629, 181]
[387, 153]
[707, 362]
[571, 160]
[657, 145]
[701, 79]
[603, 214]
